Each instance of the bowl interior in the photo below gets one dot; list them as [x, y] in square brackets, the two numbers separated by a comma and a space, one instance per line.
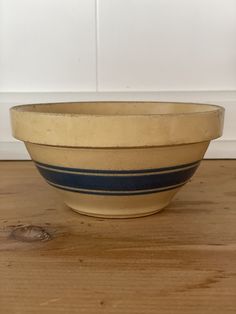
[120, 108]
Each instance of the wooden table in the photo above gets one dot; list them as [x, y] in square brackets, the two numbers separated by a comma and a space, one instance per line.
[182, 260]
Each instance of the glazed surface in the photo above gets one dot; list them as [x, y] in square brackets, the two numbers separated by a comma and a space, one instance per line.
[117, 124]
[127, 182]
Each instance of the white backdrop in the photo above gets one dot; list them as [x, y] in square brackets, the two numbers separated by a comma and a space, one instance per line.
[62, 50]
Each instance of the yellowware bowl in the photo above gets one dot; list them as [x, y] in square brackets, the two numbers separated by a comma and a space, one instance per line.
[117, 159]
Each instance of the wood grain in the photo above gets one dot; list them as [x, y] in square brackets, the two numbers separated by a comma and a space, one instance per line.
[182, 260]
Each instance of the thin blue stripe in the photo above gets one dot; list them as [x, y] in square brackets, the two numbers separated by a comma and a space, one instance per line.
[118, 171]
[116, 194]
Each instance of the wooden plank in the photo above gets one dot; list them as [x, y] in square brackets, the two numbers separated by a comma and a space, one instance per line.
[182, 260]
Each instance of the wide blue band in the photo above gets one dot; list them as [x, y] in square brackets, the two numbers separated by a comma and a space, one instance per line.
[123, 182]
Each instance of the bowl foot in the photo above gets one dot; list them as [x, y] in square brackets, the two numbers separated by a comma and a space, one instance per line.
[117, 215]
[116, 206]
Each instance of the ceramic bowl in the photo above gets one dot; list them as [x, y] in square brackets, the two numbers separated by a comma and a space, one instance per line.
[117, 159]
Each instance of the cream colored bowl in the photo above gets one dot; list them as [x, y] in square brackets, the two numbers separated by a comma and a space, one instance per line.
[117, 159]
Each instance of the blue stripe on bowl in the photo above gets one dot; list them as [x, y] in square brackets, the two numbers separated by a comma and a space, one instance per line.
[118, 171]
[124, 182]
[120, 193]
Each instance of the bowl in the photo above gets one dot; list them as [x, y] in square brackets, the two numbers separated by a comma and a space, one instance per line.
[117, 159]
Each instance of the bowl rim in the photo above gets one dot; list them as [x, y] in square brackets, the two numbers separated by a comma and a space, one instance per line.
[116, 130]
[23, 108]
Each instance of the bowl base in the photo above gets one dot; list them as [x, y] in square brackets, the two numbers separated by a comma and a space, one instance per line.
[116, 215]
[105, 206]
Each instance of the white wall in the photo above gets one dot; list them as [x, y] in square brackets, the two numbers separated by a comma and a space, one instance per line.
[62, 50]
[47, 45]
[167, 44]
